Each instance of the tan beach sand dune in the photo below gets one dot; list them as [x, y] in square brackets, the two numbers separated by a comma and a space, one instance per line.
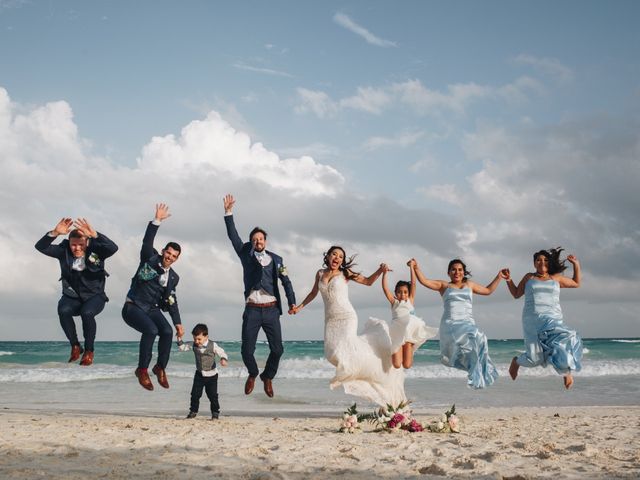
[580, 442]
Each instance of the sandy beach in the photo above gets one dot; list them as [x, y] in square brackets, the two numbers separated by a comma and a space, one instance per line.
[507, 443]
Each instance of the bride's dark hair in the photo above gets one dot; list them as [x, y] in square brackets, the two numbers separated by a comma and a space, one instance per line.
[347, 263]
[553, 256]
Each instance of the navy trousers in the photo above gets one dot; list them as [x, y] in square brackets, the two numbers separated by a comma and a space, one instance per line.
[72, 307]
[151, 324]
[253, 319]
[210, 386]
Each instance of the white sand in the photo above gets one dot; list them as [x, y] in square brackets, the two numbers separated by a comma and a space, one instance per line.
[582, 442]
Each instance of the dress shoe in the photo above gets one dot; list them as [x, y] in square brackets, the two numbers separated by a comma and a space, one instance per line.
[87, 358]
[192, 415]
[215, 416]
[76, 351]
[268, 386]
[249, 384]
[143, 378]
[162, 376]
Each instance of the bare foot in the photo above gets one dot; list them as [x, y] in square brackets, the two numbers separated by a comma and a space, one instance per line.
[513, 368]
[568, 381]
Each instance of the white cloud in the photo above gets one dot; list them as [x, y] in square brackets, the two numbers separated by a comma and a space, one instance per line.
[413, 94]
[401, 140]
[447, 193]
[266, 71]
[548, 66]
[346, 22]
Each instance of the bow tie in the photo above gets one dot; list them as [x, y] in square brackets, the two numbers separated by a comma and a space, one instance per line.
[260, 255]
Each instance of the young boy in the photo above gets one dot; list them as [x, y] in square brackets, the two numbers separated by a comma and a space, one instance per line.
[206, 376]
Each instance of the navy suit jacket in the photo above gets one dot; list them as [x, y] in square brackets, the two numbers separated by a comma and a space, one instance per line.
[150, 256]
[252, 269]
[91, 280]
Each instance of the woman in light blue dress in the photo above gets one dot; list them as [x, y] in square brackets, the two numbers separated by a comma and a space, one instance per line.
[462, 344]
[547, 339]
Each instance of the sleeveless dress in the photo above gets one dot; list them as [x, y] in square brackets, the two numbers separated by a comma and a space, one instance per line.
[363, 362]
[414, 330]
[462, 345]
[546, 338]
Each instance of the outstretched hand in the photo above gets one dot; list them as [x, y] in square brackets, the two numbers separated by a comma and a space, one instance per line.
[63, 227]
[572, 259]
[412, 263]
[384, 268]
[85, 228]
[162, 212]
[228, 202]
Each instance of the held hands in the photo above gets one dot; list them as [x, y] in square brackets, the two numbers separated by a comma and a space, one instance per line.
[179, 331]
[63, 227]
[162, 212]
[505, 274]
[384, 268]
[412, 263]
[85, 228]
[228, 202]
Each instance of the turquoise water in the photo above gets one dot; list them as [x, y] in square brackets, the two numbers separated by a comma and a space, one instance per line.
[35, 375]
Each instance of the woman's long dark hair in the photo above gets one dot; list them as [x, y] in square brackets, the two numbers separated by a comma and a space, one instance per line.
[467, 273]
[347, 263]
[553, 256]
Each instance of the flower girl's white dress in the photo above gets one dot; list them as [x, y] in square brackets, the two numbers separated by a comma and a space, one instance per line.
[363, 362]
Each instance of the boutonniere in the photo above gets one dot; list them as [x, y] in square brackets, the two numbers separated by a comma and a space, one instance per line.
[282, 270]
[94, 258]
[171, 300]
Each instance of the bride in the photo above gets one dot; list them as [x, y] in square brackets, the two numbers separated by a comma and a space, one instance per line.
[363, 362]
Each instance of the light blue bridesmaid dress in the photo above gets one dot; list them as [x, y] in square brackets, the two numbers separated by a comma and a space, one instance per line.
[546, 338]
[462, 345]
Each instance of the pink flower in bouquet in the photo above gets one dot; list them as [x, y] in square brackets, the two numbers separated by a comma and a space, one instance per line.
[454, 423]
[415, 426]
[398, 418]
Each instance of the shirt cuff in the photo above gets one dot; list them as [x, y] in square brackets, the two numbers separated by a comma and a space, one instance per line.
[156, 222]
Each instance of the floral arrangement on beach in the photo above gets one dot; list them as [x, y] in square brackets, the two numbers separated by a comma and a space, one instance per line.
[447, 423]
[350, 420]
[388, 418]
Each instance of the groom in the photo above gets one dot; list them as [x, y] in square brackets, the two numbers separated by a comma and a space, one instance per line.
[261, 270]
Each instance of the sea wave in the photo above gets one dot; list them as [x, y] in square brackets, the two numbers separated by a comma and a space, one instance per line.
[624, 340]
[7, 353]
[302, 368]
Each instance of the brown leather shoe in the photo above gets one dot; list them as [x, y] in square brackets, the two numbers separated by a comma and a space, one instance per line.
[268, 386]
[161, 375]
[143, 378]
[76, 351]
[249, 384]
[87, 358]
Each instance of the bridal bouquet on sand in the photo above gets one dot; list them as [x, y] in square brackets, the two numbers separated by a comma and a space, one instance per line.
[448, 422]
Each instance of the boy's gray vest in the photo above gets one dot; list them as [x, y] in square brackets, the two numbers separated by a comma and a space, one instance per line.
[205, 360]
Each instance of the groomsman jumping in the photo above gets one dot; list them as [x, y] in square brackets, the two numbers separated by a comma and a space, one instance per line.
[153, 290]
[261, 271]
[83, 278]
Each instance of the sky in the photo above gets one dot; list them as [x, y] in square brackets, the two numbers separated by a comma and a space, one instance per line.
[435, 130]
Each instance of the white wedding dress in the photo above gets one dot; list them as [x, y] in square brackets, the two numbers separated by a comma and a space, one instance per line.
[363, 362]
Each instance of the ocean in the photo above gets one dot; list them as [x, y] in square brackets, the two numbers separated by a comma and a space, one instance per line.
[35, 376]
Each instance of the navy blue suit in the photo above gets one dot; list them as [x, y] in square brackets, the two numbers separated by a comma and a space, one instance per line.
[255, 318]
[82, 291]
[147, 299]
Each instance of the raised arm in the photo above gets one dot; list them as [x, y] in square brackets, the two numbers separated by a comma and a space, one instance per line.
[489, 289]
[309, 298]
[162, 213]
[437, 285]
[566, 282]
[412, 288]
[385, 287]
[516, 291]
[371, 279]
[228, 202]
[44, 244]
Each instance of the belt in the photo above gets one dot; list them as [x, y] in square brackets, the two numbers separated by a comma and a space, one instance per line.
[262, 305]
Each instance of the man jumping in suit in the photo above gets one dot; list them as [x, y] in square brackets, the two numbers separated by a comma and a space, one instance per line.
[83, 278]
[261, 270]
[153, 290]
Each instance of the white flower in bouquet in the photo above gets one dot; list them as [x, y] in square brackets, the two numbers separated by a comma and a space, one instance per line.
[454, 424]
